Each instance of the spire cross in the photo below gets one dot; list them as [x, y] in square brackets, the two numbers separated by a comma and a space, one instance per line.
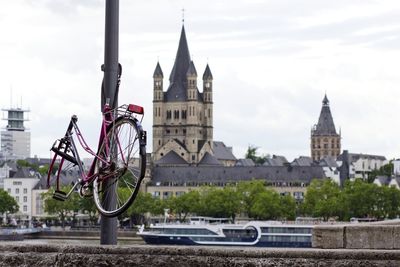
[183, 15]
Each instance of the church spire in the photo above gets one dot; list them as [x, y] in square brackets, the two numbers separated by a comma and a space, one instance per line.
[182, 60]
[158, 72]
[325, 125]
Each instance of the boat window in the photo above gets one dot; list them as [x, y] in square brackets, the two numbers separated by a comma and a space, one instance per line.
[293, 230]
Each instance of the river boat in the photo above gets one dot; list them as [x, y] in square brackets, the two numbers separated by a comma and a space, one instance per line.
[253, 233]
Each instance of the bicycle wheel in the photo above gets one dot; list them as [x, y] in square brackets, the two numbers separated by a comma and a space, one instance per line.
[119, 167]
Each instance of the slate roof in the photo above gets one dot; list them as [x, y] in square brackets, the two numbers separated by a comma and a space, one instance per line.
[275, 161]
[325, 124]
[171, 158]
[25, 172]
[207, 73]
[177, 89]
[302, 161]
[356, 156]
[245, 162]
[328, 161]
[222, 152]
[192, 69]
[383, 179]
[219, 174]
[209, 160]
[158, 72]
[67, 177]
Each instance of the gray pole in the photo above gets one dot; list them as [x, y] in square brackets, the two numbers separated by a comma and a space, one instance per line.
[108, 235]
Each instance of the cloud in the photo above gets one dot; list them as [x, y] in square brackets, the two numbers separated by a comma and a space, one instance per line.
[272, 63]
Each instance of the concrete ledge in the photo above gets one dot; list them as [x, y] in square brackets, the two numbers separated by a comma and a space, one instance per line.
[377, 235]
[13, 254]
[328, 236]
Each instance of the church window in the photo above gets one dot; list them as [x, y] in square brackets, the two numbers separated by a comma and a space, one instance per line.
[162, 154]
[209, 113]
[176, 131]
[176, 114]
[193, 141]
[193, 157]
[183, 114]
[168, 114]
[184, 131]
[159, 142]
[168, 131]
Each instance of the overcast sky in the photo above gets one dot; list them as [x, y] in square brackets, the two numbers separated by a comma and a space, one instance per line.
[272, 63]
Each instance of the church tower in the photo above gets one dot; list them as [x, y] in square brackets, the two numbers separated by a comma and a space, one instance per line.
[325, 141]
[182, 115]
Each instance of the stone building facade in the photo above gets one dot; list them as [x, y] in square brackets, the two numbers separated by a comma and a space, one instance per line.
[182, 115]
[325, 141]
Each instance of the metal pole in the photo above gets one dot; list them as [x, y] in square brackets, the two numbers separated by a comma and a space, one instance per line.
[108, 227]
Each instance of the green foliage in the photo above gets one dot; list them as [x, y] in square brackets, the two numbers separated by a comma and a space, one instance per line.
[7, 203]
[266, 206]
[322, 199]
[248, 191]
[220, 202]
[252, 154]
[61, 208]
[185, 204]
[358, 199]
[385, 170]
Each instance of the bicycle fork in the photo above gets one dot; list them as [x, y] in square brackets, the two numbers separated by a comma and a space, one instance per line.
[66, 144]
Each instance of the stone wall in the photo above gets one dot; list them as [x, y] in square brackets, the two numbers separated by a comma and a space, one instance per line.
[377, 235]
[13, 254]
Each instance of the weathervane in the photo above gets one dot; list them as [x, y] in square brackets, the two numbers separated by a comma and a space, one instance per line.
[183, 15]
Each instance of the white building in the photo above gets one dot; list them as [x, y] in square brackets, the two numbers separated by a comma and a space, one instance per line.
[20, 186]
[15, 140]
[396, 167]
[361, 165]
[4, 173]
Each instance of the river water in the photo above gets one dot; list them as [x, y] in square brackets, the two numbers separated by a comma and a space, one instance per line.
[75, 242]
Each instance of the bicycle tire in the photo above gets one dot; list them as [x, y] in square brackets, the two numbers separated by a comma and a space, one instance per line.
[122, 180]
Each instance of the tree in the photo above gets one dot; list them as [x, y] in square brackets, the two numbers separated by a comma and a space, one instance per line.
[322, 199]
[61, 208]
[252, 154]
[359, 199]
[86, 205]
[7, 203]
[143, 204]
[216, 202]
[248, 191]
[385, 170]
[185, 204]
[266, 206]
[288, 207]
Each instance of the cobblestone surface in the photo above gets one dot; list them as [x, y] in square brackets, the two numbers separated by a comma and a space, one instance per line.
[12, 254]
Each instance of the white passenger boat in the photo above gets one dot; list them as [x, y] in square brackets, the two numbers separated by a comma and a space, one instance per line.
[253, 233]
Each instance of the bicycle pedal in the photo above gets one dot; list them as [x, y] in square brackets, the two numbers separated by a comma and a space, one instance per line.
[60, 195]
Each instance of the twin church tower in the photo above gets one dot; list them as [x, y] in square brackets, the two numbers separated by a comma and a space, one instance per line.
[182, 115]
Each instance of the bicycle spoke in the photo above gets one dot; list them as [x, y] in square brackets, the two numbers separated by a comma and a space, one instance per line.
[119, 178]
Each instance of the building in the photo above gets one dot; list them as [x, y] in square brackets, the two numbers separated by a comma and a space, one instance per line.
[361, 165]
[19, 185]
[325, 141]
[168, 181]
[182, 115]
[396, 167]
[15, 140]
